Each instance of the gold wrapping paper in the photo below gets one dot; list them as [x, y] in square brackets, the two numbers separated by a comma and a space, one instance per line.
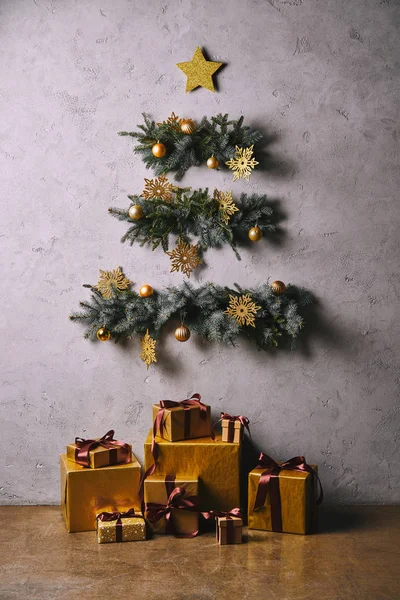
[215, 463]
[237, 433]
[99, 457]
[173, 424]
[222, 535]
[295, 490]
[133, 530]
[155, 490]
[87, 492]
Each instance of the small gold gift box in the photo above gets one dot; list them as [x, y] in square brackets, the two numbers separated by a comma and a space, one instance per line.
[183, 423]
[232, 431]
[229, 530]
[98, 455]
[117, 526]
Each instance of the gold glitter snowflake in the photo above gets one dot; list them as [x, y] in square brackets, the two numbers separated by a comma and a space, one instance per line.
[242, 309]
[112, 279]
[159, 187]
[148, 354]
[184, 258]
[226, 205]
[242, 163]
[173, 122]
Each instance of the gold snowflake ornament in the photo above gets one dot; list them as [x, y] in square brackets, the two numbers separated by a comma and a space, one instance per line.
[242, 163]
[148, 354]
[159, 187]
[225, 204]
[173, 122]
[110, 280]
[184, 258]
[242, 309]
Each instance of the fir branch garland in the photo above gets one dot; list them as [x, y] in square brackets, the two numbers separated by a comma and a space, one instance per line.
[217, 136]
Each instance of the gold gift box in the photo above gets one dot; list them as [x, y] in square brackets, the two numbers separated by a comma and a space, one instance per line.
[215, 463]
[101, 457]
[184, 521]
[86, 492]
[236, 428]
[296, 507]
[173, 422]
[229, 533]
[133, 530]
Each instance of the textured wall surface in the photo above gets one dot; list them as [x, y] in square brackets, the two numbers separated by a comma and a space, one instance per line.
[322, 80]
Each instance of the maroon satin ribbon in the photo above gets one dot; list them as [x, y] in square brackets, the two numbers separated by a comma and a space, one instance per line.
[176, 500]
[118, 516]
[269, 481]
[231, 426]
[83, 448]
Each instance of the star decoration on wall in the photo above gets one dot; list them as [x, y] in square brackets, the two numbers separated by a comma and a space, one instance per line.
[199, 71]
[159, 187]
[110, 280]
[242, 309]
[148, 354]
[225, 204]
[242, 163]
[184, 258]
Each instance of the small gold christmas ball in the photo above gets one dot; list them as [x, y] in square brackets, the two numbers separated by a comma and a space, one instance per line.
[255, 234]
[159, 150]
[278, 287]
[187, 126]
[146, 290]
[135, 212]
[103, 334]
[212, 163]
[182, 333]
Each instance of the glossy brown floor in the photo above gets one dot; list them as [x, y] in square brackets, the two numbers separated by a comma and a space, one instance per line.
[355, 557]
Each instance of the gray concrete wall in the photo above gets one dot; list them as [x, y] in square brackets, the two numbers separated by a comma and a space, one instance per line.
[322, 78]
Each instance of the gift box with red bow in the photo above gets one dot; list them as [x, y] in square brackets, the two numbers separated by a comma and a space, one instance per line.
[188, 419]
[128, 526]
[99, 452]
[233, 427]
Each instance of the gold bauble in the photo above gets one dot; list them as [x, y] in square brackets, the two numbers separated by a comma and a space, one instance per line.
[278, 287]
[187, 126]
[212, 163]
[182, 333]
[103, 334]
[146, 290]
[159, 150]
[255, 234]
[135, 212]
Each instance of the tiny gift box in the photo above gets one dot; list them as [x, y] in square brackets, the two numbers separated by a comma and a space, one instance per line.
[229, 530]
[117, 526]
[233, 427]
[185, 420]
[283, 496]
[99, 452]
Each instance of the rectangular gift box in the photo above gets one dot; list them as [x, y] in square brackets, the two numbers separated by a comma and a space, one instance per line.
[180, 424]
[229, 530]
[215, 463]
[157, 490]
[232, 431]
[132, 529]
[101, 457]
[295, 489]
[86, 492]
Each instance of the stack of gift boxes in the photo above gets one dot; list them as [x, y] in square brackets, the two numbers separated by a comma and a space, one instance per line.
[191, 476]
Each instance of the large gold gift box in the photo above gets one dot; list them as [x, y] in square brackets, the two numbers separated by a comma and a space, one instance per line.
[174, 419]
[296, 502]
[215, 463]
[133, 529]
[155, 490]
[101, 457]
[86, 492]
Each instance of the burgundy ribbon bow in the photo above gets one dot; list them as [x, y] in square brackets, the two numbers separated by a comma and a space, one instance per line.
[118, 516]
[82, 456]
[243, 420]
[176, 500]
[269, 480]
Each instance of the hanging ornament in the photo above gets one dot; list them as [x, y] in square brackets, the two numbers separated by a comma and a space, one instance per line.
[184, 258]
[242, 163]
[182, 333]
[255, 234]
[173, 122]
[242, 309]
[159, 150]
[187, 126]
[225, 204]
[199, 71]
[135, 212]
[148, 354]
[278, 287]
[110, 281]
[103, 334]
[159, 187]
[212, 163]
[146, 290]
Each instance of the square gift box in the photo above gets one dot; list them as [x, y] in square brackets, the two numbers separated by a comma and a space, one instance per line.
[232, 431]
[101, 452]
[128, 526]
[229, 530]
[183, 422]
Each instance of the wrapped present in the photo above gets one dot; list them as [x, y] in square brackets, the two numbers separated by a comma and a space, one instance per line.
[172, 504]
[100, 452]
[185, 420]
[87, 492]
[233, 427]
[284, 496]
[215, 463]
[229, 530]
[117, 526]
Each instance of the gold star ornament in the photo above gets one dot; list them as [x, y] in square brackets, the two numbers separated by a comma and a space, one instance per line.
[184, 258]
[199, 71]
[110, 280]
[242, 309]
[226, 205]
[242, 163]
[148, 354]
[158, 188]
